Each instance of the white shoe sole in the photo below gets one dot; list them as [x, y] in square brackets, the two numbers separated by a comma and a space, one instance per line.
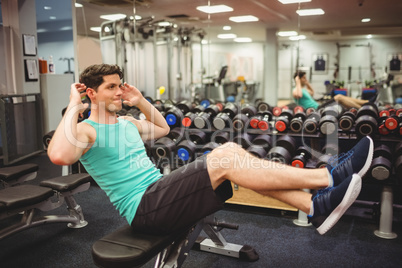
[350, 196]
[369, 159]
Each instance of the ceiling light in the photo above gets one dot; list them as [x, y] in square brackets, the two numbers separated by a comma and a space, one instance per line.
[287, 33]
[243, 18]
[227, 36]
[243, 39]
[366, 20]
[66, 28]
[227, 28]
[41, 30]
[52, 18]
[296, 38]
[293, 1]
[96, 29]
[205, 42]
[310, 12]
[214, 9]
[78, 5]
[369, 36]
[113, 17]
[47, 8]
[136, 17]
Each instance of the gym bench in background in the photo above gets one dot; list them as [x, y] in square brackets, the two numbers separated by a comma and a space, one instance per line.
[10, 176]
[52, 193]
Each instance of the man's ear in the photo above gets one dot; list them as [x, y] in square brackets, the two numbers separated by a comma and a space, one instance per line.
[91, 93]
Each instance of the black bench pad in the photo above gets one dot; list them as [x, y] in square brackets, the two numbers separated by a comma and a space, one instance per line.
[13, 173]
[66, 183]
[24, 195]
[126, 248]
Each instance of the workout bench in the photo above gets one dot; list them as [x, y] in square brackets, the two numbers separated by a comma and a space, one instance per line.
[128, 248]
[10, 176]
[52, 193]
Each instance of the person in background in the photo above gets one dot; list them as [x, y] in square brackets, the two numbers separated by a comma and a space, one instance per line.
[303, 95]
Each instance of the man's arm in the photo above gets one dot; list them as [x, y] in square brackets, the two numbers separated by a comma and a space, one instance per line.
[69, 140]
[310, 89]
[155, 125]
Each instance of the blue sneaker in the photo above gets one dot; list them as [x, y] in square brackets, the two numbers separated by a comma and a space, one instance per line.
[355, 161]
[330, 204]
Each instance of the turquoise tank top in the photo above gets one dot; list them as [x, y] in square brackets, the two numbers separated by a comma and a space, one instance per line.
[306, 101]
[118, 162]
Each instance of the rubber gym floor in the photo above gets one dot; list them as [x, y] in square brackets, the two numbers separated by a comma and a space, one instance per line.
[279, 242]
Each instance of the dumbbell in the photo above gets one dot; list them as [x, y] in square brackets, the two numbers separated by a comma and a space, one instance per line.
[328, 124]
[187, 148]
[366, 122]
[241, 121]
[301, 157]
[276, 111]
[174, 116]
[382, 129]
[381, 166]
[204, 119]
[398, 161]
[162, 150]
[243, 139]
[185, 106]
[257, 150]
[296, 124]
[220, 137]
[347, 120]
[261, 120]
[298, 109]
[263, 140]
[47, 138]
[310, 125]
[188, 119]
[283, 150]
[207, 148]
[334, 109]
[224, 118]
[328, 151]
[283, 121]
[263, 106]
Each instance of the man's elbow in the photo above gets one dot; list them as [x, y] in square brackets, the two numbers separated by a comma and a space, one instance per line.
[60, 159]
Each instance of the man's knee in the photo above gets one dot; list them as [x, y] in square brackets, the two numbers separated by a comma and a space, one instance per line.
[339, 97]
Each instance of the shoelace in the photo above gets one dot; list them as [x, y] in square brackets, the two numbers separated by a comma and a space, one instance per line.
[322, 192]
[339, 158]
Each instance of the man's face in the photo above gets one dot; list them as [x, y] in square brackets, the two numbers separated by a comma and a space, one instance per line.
[109, 93]
[303, 80]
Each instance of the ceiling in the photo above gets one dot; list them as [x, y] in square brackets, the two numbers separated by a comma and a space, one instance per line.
[342, 18]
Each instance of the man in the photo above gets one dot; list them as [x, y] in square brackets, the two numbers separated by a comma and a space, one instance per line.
[112, 151]
[303, 95]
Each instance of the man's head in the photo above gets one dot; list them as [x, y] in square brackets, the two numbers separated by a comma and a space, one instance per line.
[93, 75]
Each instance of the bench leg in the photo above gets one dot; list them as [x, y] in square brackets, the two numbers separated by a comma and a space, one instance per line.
[75, 211]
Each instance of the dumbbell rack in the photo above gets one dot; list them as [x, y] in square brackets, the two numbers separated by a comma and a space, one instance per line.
[314, 140]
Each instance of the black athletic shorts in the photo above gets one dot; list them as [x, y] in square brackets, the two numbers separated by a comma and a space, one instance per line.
[180, 199]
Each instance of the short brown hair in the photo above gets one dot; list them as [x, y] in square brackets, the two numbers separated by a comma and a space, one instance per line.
[300, 74]
[93, 75]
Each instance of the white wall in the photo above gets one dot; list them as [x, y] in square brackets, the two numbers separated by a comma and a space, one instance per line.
[354, 53]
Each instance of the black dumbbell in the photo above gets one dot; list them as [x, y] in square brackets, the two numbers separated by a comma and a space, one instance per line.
[301, 157]
[163, 148]
[220, 137]
[347, 120]
[257, 150]
[366, 125]
[204, 119]
[188, 119]
[328, 124]
[296, 124]
[241, 121]
[243, 139]
[310, 125]
[328, 151]
[283, 121]
[398, 161]
[263, 140]
[283, 150]
[263, 106]
[173, 116]
[334, 109]
[224, 118]
[47, 138]
[381, 166]
[185, 106]
[187, 148]
[207, 148]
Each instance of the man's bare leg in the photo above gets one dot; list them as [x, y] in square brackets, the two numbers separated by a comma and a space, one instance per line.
[231, 162]
[296, 198]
